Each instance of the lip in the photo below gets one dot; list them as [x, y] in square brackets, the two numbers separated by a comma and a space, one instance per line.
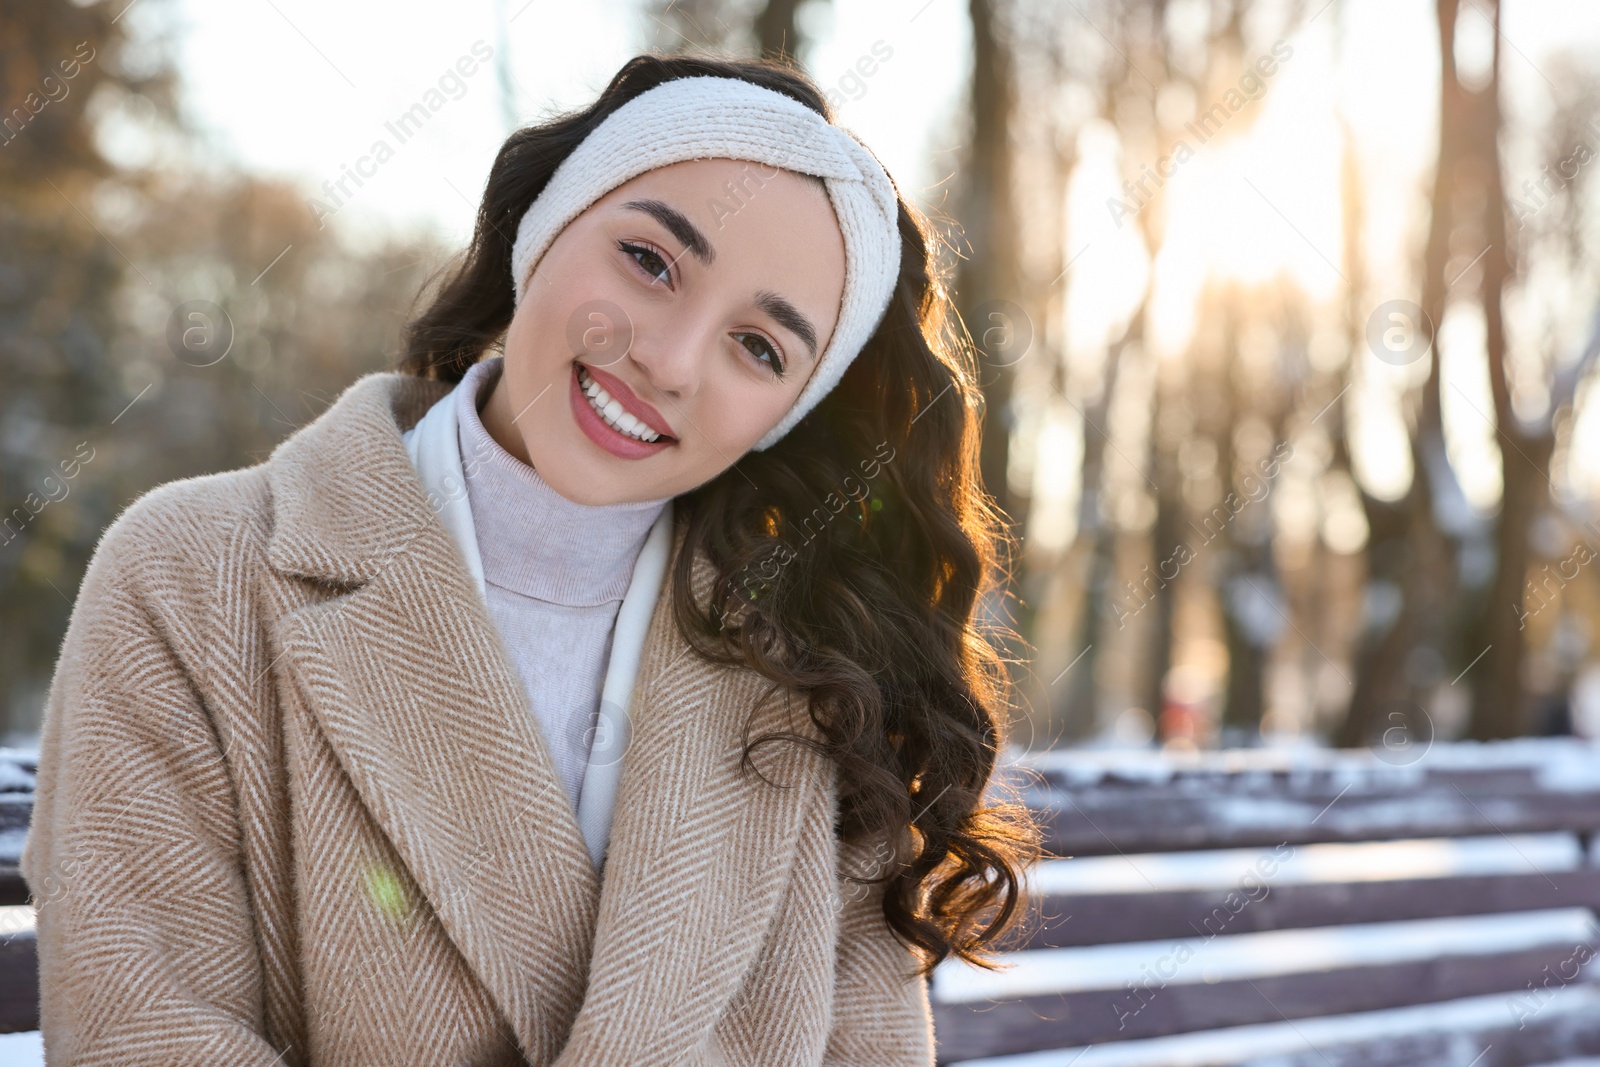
[630, 401]
[595, 428]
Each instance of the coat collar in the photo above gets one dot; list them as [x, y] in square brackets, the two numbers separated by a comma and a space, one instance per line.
[406, 676]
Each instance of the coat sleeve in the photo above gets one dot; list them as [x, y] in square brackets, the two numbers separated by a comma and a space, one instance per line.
[881, 1012]
[145, 936]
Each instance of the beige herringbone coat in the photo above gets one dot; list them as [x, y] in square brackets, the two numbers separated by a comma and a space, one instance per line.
[292, 808]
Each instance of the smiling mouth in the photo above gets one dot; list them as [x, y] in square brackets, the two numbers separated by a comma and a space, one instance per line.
[612, 413]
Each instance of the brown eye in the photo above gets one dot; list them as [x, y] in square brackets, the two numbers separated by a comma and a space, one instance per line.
[763, 350]
[648, 260]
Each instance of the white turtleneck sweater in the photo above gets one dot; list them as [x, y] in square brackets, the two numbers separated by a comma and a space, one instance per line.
[555, 573]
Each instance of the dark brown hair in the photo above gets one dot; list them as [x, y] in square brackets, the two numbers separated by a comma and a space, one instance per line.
[851, 556]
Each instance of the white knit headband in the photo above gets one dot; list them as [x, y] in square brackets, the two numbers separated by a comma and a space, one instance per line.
[729, 118]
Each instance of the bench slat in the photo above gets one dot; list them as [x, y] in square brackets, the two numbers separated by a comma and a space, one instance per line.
[1105, 822]
[1036, 1023]
[1109, 918]
[1454, 1032]
[19, 983]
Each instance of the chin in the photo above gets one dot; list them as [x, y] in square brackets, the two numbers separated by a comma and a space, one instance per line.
[594, 480]
[581, 480]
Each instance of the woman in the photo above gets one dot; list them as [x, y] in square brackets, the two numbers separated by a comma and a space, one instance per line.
[615, 698]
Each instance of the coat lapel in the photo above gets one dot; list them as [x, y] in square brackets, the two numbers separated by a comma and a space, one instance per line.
[408, 679]
[700, 852]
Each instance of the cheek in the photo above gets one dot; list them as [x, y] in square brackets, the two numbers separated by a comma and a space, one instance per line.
[529, 351]
[573, 300]
[536, 366]
[740, 410]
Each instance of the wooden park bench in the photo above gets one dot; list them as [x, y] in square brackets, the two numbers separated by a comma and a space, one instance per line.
[19, 981]
[1300, 908]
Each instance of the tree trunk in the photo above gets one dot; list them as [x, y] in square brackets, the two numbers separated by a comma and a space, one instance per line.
[1499, 700]
[987, 279]
[777, 34]
[1079, 705]
[1165, 537]
[1408, 553]
[1246, 571]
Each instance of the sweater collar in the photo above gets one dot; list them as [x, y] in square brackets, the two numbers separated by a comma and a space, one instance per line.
[533, 540]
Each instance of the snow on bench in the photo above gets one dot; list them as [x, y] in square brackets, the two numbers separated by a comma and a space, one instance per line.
[1474, 1030]
[1239, 891]
[19, 993]
[1097, 803]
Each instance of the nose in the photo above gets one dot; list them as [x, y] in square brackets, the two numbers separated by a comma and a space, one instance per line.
[672, 357]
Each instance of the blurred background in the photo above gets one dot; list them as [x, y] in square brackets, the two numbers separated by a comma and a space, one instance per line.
[1288, 311]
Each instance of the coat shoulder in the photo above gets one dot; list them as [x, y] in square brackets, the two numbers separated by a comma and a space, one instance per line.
[190, 521]
[178, 554]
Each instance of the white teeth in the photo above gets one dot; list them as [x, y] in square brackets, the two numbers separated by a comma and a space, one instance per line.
[612, 412]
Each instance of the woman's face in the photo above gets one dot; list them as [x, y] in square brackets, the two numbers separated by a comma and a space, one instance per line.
[697, 298]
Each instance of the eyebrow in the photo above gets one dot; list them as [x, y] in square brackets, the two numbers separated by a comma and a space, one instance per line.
[788, 316]
[678, 224]
[689, 235]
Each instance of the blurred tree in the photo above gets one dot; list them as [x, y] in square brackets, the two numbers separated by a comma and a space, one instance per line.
[1127, 96]
[1441, 584]
[1257, 399]
[157, 321]
[59, 61]
[768, 28]
[1152, 65]
[1446, 590]
[777, 31]
[987, 279]
[1387, 617]
[1416, 543]
[1501, 704]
